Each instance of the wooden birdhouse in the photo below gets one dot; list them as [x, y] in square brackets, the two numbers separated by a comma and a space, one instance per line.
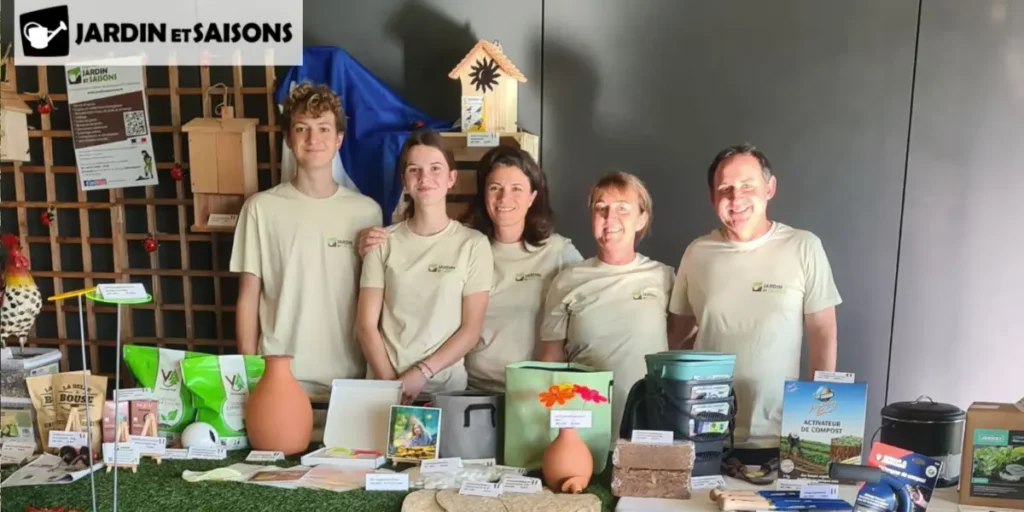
[490, 89]
[13, 125]
[222, 168]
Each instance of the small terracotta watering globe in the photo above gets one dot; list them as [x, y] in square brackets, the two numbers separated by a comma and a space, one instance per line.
[278, 413]
[568, 464]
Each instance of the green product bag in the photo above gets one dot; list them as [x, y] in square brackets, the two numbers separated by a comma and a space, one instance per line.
[533, 389]
[159, 369]
[220, 385]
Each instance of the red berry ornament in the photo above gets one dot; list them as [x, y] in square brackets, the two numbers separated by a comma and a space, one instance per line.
[177, 174]
[46, 217]
[149, 243]
[44, 106]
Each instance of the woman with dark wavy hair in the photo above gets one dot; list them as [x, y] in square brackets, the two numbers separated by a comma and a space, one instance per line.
[512, 208]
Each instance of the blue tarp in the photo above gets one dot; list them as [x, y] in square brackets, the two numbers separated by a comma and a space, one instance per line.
[378, 120]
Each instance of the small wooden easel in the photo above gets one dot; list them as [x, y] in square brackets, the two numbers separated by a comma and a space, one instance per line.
[74, 424]
[149, 429]
[122, 437]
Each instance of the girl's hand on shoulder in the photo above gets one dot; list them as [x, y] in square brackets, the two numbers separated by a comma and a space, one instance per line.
[369, 238]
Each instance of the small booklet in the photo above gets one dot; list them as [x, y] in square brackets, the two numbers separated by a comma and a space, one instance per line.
[48, 469]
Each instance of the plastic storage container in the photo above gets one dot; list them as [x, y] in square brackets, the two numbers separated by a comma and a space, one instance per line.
[29, 362]
[690, 365]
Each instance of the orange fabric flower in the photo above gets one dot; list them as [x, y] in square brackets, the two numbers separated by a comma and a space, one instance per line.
[556, 394]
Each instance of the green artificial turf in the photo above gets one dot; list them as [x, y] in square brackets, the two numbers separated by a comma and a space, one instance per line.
[161, 488]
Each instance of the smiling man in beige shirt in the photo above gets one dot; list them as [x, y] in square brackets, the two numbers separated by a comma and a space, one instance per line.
[755, 288]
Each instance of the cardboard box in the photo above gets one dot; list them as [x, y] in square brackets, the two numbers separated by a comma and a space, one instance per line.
[139, 410]
[992, 468]
[109, 427]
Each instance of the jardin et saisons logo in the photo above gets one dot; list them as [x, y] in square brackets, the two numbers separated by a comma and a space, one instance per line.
[49, 32]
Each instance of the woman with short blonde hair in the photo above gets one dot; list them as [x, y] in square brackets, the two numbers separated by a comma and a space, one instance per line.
[610, 310]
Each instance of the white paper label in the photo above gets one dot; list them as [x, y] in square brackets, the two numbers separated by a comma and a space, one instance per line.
[387, 481]
[520, 484]
[129, 394]
[264, 456]
[149, 445]
[207, 452]
[14, 452]
[479, 462]
[60, 439]
[122, 291]
[706, 391]
[510, 469]
[652, 437]
[571, 419]
[819, 491]
[485, 489]
[126, 454]
[707, 482]
[236, 391]
[482, 140]
[222, 220]
[789, 485]
[448, 465]
[175, 454]
[843, 377]
[712, 377]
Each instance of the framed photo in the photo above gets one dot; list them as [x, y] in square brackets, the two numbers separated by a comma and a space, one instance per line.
[414, 433]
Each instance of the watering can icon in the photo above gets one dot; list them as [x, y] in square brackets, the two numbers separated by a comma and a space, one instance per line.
[39, 36]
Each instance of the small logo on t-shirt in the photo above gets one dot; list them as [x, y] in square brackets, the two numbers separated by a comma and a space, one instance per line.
[762, 287]
[337, 242]
[528, 276]
[644, 295]
[434, 267]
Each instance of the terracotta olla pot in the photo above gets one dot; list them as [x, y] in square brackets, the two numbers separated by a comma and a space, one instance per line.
[567, 465]
[278, 414]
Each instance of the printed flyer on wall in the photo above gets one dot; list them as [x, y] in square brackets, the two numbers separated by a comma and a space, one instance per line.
[110, 124]
[822, 422]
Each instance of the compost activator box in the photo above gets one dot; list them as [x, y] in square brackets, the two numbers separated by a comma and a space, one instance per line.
[992, 468]
[822, 422]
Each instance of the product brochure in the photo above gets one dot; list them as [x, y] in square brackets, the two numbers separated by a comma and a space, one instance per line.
[48, 469]
[907, 481]
[822, 422]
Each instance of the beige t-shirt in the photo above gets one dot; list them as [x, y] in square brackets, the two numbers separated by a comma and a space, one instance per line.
[611, 316]
[424, 279]
[521, 278]
[303, 249]
[749, 299]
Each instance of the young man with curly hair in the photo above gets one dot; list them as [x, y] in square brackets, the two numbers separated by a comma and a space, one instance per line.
[295, 251]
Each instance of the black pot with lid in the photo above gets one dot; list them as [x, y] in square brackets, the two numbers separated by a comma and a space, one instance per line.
[930, 428]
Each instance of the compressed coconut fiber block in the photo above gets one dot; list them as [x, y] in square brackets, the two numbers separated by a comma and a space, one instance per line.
[678, 456]
[650, 483]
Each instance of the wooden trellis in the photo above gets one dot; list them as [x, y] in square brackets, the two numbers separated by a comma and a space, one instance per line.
[97, 236]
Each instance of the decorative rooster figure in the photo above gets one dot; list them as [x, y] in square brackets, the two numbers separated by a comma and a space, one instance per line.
[21, 301]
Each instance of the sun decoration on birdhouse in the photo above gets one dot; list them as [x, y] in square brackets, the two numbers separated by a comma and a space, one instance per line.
[490, 89]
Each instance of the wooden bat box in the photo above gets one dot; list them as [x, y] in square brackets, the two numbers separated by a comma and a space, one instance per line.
[222, 168]
[14, 123]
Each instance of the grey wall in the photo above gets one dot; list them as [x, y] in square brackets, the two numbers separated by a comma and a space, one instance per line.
[823, 87]
[958, 322]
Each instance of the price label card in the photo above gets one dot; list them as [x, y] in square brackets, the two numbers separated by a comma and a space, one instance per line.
[481, 139]
[449, 465]
[175, 454]
[60, 439]
[479, 462]
[510, 469]
[14, 452]
[125, 454]
[387, 481]
[652, 437]
[520, 484]
[571, 419]
[149, 445]
[843, 377]
[485, 489]
[222, 220]
[264, 456]
[122, 291]
[129, 394]
[207, 452]
[789, 485]
[707, 482]
[819, 491]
